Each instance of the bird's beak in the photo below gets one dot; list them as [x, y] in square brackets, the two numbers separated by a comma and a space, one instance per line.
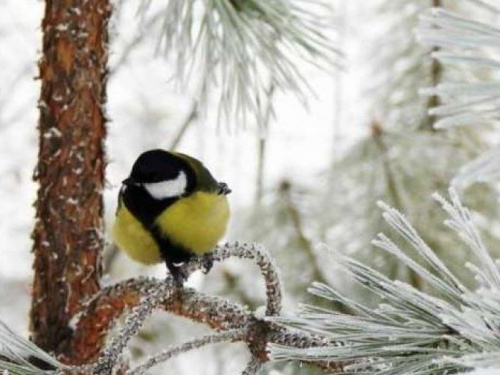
[223, 189]
[128, 181]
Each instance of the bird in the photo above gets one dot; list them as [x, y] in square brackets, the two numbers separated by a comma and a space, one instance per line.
[170, 209]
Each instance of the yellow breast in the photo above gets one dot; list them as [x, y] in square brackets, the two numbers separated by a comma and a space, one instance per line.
[196, 222]
[131, 237]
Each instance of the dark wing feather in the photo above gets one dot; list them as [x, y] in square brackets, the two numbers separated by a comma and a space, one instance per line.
[206, 182]
[120, 199]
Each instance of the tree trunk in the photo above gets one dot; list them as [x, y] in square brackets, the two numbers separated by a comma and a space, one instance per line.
[68, 235]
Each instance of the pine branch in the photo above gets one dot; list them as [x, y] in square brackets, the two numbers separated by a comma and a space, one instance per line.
[411, 332]
[473, 102]
[237, 45]
[476, 45]
[483, 169]
[305, 244]
[393, 189]
[139, 297]
[487, 5]
[108, 305]
[395, 101]
[436, 73]
[15, 350]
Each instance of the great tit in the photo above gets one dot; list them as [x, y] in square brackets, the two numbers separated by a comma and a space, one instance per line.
[170, 209]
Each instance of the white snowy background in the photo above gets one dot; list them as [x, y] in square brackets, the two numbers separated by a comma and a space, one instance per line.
[146, 110]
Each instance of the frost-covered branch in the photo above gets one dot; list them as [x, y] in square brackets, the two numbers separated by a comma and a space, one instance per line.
[258, 255]
[139, 297]
[488, 5]
[475, 102]
[476, 45]
[241, 45]
[15, 350]
[411, 332]
[110, 356]
[392, 95]
[227, 336]
[111, 302]
[253, 367]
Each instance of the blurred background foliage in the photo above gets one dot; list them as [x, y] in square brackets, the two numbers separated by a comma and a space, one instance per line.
[301, 176]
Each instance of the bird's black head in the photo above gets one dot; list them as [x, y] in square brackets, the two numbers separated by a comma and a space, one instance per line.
[162, 175]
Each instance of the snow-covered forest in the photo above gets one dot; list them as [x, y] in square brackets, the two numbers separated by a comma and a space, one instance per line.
[359, 140]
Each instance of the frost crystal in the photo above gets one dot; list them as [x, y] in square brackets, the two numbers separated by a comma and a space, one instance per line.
[455, 332]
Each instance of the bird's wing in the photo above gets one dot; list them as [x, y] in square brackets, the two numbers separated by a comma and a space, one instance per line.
[206, 182]
[120, 199]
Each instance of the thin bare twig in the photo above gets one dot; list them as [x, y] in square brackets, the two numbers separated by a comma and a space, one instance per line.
[253, 367]
[228, 336]
[305, 244]
[263, 140]
[261, 161]
[191, 116]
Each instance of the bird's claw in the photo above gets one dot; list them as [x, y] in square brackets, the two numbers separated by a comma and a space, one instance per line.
[207, 263]
[179, 273]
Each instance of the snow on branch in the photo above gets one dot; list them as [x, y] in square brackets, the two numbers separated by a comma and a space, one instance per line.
[15, 350]
[228, 336]
[483, 169]
[261, 257]
[253, 367]
[411, 332]
[475, 102]
[137, 298]
[488, 5]
[244, 47]
[110, 356]
[477, 45]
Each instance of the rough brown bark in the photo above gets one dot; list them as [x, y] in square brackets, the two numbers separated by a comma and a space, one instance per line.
[68, 235]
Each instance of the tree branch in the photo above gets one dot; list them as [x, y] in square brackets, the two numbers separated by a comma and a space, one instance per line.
[228, 336]
[215, 312]
[190, 117]
[142, 295]
[267, 267]
[253, 367]
[110, 303]
[305, 244]
[110, 356]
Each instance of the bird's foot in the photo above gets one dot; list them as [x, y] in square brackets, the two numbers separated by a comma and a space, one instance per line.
[178, 272]
[207, 263]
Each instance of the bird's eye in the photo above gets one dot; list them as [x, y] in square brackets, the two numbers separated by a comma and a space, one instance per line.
[151, 177]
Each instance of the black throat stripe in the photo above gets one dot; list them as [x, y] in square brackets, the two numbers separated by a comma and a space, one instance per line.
[146, 209]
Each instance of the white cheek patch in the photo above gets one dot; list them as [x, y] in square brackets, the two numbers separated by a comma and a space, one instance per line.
[167, 189]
